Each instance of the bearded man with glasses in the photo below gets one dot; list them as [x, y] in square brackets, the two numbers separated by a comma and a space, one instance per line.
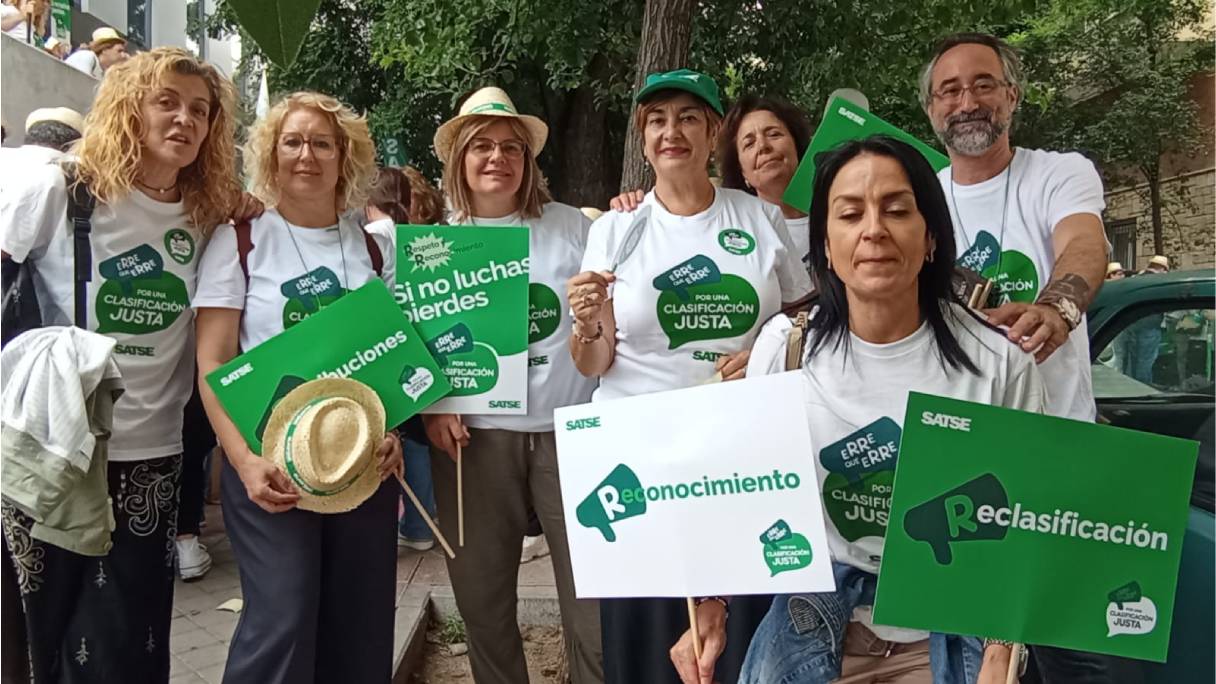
[1028, 226]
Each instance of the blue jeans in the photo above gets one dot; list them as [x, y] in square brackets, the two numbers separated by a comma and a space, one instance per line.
[418, 477]
[801, 640]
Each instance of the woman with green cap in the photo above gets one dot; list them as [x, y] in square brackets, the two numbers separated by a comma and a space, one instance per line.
[635, 342]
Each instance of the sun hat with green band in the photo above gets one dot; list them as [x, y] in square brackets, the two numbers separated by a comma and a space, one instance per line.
[489, 102]
[324, 435]
[687, 80]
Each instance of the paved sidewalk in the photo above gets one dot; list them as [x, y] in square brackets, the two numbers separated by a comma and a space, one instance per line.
[200, 634]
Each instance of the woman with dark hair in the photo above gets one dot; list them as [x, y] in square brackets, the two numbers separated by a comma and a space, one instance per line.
[762, 140]
[887, 322]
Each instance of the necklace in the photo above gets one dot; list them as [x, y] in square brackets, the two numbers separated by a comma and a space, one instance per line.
[144, 185]
[1000, 242]
[342, 251]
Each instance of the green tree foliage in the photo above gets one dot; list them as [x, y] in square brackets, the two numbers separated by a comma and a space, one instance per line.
[1111, 78]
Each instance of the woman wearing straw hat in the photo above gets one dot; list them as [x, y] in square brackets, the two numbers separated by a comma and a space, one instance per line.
[510, 462]
[107, 49]
[157, 153]
[624, 340]
[310, 519]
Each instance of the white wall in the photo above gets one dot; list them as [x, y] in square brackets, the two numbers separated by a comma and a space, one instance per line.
[111, 12]
[168, 23]
[33, 79]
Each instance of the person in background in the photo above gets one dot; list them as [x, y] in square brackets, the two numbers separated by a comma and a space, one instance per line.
[158, 155]
[626, 341]
[1115, 271]
[29, 21]
[198, 442]
[426, 203]
[318, 587]
[56, 48]
[389, 204]
[1157, 264]
[762, 141]
[107, 49]
[491, 178]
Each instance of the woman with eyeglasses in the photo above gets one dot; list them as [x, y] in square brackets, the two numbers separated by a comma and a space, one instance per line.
[491, 178]
[318, 588]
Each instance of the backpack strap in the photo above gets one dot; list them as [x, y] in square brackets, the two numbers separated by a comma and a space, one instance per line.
[374, 253]
[244, 245]
[80, 214]
[796, 341]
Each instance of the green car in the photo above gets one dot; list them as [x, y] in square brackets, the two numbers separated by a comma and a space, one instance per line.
[1151, 345]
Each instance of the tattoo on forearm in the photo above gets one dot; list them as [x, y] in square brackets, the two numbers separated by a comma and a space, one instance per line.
[1069, 286]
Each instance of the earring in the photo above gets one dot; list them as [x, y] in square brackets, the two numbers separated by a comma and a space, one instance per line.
[929, 257]
[747, 184]
[828, 254]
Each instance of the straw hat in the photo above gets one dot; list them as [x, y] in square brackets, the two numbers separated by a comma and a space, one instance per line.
[324, 435]
[489, 102]
[1158, 260]
[1113, 266]
[68, 117]
[104, 36]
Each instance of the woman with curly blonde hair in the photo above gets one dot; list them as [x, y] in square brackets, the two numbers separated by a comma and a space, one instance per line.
[157, 154]
[318, 588]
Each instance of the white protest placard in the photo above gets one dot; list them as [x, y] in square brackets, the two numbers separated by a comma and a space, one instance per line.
[703, 491]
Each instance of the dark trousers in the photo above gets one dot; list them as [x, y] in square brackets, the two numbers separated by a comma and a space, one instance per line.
[1062, 666]
[319, 590]
[639, 633]
[198, 441]
[104, 619]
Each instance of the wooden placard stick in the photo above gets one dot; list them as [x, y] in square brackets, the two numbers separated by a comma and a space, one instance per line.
[426, 516]
[692, 625]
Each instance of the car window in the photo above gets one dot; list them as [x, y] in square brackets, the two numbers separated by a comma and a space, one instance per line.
[1157, 353]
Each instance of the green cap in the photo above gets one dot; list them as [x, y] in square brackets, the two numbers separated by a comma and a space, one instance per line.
[683, 79]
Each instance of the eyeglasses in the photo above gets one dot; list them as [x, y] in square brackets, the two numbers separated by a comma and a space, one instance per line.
[983, 87]
[323, 146]
[484, 147]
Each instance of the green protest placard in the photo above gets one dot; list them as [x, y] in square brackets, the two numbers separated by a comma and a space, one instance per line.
[361, 336]
[1034, 529]
[465, 289]
[844, 121]
[392, 150]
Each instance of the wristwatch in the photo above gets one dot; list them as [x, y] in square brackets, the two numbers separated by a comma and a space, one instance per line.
[1068, 311]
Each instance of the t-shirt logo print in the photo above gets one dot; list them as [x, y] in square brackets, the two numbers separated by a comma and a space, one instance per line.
[737, 242]
[309, 293]
[138, 296]
[179, 245]
[1013, 275]
[861, 471]
[699, 302]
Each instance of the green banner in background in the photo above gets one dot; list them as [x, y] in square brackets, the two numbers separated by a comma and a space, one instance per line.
[465, 289]
[361, 336]
[61, 12]
[845, 121]
[1034, 529]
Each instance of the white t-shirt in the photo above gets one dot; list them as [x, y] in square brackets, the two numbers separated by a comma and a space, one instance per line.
[556, 242]
[84, 60]
[693, 288]
[856, 402]
[286, 286]
[800, 237]
[145, 260]
[20, 29]
[1043, 189]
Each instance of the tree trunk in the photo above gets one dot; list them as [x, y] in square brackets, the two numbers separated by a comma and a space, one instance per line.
[583, 177]
[666, 34]
[1154, 201]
